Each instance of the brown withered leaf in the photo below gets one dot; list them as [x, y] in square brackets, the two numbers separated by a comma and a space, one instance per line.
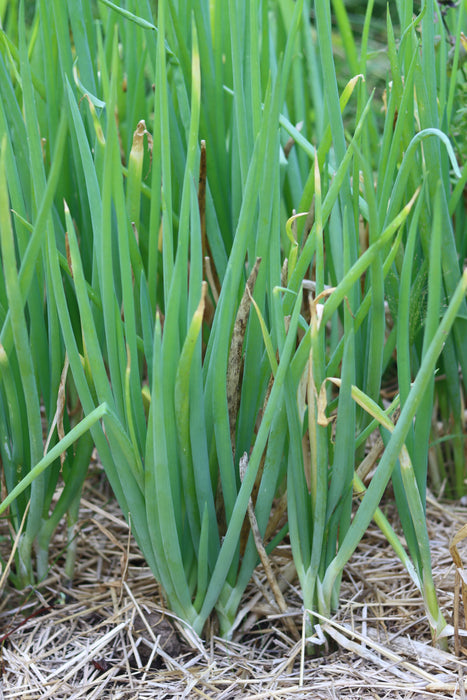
[235, 364]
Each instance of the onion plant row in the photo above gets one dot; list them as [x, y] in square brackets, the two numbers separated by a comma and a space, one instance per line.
[213, 251]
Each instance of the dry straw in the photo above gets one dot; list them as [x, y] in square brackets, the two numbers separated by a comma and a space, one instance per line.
[110, 208]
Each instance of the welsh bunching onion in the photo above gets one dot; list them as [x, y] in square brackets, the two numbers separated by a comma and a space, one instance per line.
[33, 362]
[205, 326]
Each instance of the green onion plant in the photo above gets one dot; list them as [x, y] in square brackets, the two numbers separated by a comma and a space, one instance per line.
[231, 246]
[410, 159]
[37, 400]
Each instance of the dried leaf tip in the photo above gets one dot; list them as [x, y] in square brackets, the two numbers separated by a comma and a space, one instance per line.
[200, 310]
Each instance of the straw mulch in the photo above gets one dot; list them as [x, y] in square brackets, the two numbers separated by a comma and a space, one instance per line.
[107, 635]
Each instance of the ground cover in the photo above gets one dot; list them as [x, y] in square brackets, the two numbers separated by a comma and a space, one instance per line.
[102, 637]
